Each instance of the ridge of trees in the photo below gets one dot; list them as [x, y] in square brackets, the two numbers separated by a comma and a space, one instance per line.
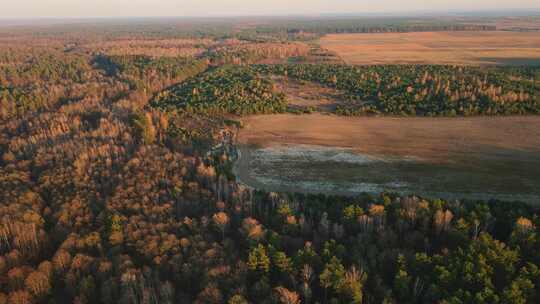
[425, 90]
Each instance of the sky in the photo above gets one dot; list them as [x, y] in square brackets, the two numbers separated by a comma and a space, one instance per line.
[154, 8]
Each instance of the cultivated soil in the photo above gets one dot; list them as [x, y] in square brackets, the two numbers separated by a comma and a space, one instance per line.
[459, 48]
[476, 157]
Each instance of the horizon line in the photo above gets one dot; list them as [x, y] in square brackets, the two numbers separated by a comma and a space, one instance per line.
[509, 12]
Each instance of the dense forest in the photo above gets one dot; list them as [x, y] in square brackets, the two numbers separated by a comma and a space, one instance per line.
[116, 183]
[230, 89]
[424, 90]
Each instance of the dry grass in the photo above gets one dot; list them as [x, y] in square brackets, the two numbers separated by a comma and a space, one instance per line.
[459, 48]
[304, 94]
[475, 157]
[436, 139]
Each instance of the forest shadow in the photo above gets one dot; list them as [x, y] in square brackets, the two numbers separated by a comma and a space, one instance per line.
[513, 61]
[497, 173]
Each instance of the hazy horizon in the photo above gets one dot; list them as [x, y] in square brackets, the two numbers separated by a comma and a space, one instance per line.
[37, 9]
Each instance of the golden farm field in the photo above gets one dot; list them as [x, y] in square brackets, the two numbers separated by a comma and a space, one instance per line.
[474, 157]
[460, 48]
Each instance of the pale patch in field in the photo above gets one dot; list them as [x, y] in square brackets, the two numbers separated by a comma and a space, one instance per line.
[311, 153]
[291, 167]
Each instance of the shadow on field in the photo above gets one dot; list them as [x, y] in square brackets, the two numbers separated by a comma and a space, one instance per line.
[513, 61]
[490, 173]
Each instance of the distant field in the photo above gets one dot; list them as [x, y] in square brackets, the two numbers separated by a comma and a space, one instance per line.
[460, 48]
[477, 157]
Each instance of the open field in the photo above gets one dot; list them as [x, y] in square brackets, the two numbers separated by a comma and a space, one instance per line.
[460, 48]
[480, 157]
[305, 94]
[433, 139]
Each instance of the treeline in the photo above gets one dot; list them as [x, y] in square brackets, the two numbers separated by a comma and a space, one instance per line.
[352, 28]
[312, 28]
[150, 47]
[249, 53]
[229, 89]
[423, 90]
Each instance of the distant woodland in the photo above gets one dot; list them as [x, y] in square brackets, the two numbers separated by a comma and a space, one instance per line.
[116, 149]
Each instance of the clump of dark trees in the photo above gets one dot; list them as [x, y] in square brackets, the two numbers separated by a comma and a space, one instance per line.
[105, 199]
[229, 89]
